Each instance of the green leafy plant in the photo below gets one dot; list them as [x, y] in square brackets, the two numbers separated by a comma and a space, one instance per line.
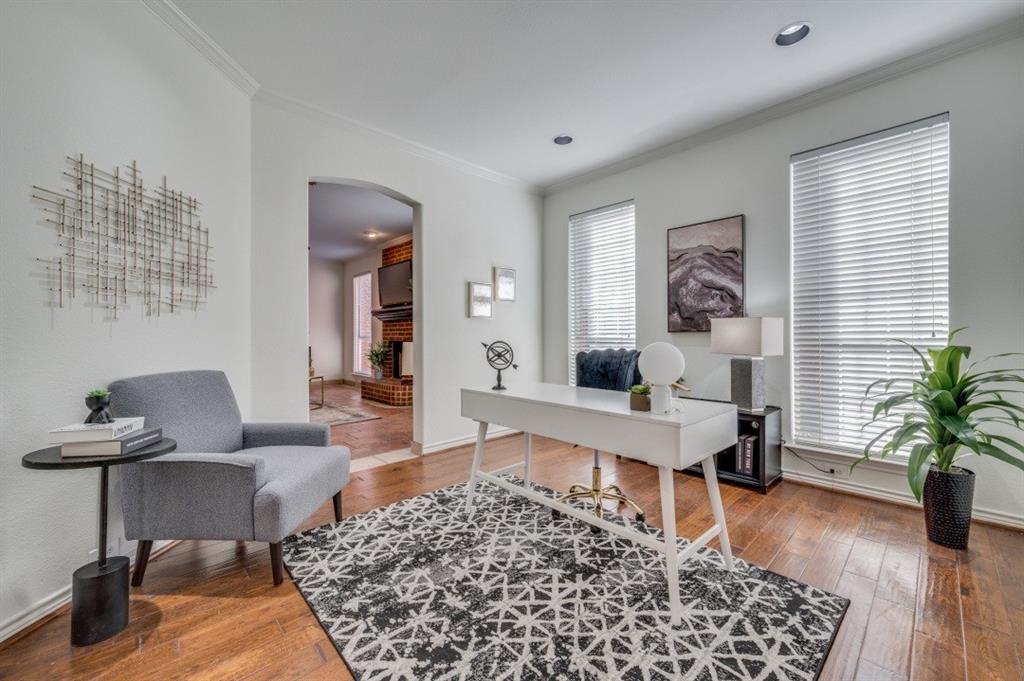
[98, 392]
[952, 412]
[378, 354]
[641, 389]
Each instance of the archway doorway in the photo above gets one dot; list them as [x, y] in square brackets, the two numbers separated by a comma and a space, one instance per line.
[363, 359]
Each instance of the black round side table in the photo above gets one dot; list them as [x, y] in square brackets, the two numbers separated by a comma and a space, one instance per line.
[99, 590]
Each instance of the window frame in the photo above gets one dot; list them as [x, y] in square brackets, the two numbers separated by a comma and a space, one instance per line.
[360, 364]
[942, 315]
[572, 346]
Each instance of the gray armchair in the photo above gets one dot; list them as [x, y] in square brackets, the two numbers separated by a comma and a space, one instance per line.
[227, 479]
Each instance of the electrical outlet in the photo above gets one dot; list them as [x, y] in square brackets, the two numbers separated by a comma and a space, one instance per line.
[94, 554]
[837, 471]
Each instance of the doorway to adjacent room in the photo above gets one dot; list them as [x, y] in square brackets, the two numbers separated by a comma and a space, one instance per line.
[361, 341]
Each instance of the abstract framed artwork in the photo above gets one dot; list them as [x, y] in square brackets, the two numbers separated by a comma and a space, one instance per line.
[504, 283]
[479, 296]
[705, 273]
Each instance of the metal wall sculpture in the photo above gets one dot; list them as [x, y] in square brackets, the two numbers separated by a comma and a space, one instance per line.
[121, 241]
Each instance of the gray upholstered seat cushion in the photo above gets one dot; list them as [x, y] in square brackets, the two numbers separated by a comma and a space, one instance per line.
[196, 408]
[298, 480]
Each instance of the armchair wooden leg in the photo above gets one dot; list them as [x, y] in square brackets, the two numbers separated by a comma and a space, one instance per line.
[277, 562]
[141, 560]
[337, 506]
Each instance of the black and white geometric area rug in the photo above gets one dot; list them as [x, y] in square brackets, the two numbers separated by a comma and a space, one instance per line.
[420, 590]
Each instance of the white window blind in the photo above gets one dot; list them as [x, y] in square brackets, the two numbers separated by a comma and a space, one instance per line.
[602, 281]
[870, 264]
[362, 322]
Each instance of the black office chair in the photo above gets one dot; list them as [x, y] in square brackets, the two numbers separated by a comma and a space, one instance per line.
[607, 370]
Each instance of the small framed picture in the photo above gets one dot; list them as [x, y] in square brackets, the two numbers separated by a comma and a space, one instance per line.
[504, 283]
[479, 295]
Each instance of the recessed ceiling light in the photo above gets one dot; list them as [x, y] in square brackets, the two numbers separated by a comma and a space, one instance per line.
[562, 140]
[371, 234]
[792, 34]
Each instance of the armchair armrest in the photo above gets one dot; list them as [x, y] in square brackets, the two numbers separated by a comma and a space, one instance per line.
[191, 496]
[276, 434]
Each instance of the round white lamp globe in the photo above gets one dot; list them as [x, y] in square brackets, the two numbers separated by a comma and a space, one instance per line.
[662, 365]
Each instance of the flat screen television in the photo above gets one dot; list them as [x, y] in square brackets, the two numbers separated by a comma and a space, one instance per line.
[394, 284]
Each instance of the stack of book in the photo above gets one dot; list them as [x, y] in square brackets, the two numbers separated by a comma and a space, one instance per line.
[121, 436]
[745, 449]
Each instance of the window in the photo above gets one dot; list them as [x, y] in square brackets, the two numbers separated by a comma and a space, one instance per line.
[362, 322]
[870, 264]
[602, 281]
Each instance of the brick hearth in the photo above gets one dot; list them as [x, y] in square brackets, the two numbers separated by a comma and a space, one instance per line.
[394, 391]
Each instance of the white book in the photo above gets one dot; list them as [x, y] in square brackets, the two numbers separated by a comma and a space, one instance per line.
[96, 432]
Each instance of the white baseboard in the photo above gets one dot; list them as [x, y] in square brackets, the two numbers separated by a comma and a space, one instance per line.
[54, 602]
[32, 614]
[493, 432]
[904, 498]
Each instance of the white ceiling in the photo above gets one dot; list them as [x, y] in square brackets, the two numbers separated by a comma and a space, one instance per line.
[492, 82]
[340, 215]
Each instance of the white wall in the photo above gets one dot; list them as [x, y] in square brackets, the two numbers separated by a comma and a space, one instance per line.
[748, 173]
[326, 317]
[111, 81]
[464, 225]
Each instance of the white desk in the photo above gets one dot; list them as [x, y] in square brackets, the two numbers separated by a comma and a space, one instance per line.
[601, 419]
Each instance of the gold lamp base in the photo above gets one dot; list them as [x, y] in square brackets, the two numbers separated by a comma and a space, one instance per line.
[598, 494]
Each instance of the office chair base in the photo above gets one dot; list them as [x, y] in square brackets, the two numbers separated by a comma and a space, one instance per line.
[598, 494]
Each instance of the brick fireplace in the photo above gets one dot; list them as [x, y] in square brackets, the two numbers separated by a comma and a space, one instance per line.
[395, 388]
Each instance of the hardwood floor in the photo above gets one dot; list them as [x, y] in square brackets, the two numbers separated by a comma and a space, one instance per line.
[393, 430]
[207, 610]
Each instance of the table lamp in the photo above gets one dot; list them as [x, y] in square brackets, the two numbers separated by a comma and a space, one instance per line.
[749, 340]
[661, 365]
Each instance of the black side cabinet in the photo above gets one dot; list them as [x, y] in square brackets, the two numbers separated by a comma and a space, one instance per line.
[766, 426]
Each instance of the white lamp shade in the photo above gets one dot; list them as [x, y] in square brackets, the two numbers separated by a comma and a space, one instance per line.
[747, 336]
[661, 363]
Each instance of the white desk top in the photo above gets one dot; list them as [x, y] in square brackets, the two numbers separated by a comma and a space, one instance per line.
[607, 402]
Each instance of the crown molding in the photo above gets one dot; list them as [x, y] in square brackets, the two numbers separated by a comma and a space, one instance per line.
[1006, 30]
[285, 103]
[179, 22]
[176, 20]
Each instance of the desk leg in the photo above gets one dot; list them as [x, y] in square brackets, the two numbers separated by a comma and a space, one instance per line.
[478, 453]
[668, 520]
[715, 497]
[527, 455]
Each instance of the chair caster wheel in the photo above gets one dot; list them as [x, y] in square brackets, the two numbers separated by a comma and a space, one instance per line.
[594, 529]
[555, 515]
[640, 517]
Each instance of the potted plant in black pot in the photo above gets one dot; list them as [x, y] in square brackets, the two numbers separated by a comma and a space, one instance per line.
[943, 415]
[98, 401]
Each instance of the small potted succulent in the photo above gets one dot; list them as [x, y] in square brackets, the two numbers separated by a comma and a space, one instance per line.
[378, 356]
[943, 415]
[640, 397]
[98, 401]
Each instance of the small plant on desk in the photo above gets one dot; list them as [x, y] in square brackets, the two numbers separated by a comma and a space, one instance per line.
[640, 397]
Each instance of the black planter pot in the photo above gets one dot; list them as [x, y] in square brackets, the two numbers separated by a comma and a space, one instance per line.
[948, 500]
[100, 409]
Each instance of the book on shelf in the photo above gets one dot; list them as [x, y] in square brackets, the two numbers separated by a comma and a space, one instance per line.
[96, 432]
[749, 446]
[126, 444]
